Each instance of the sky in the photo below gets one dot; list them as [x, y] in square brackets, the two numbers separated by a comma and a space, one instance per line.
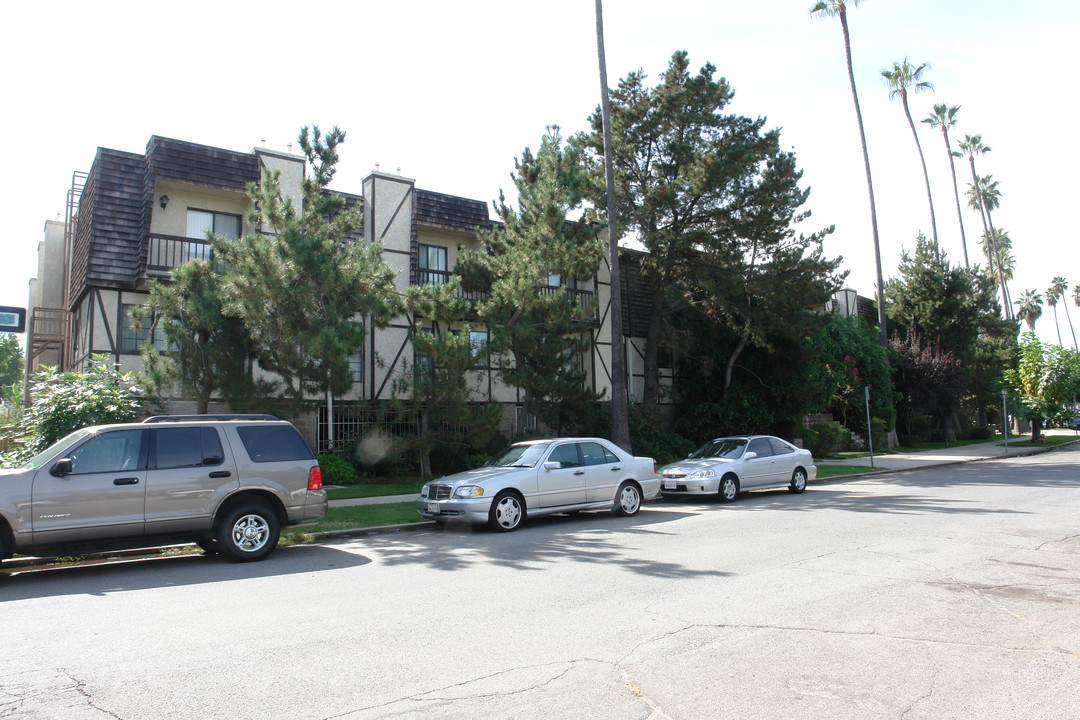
[450, 93]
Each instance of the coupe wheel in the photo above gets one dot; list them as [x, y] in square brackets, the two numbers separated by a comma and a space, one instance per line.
[627, 500]
[247, 532]
[507, 512]
[729, 488]
[798, 481]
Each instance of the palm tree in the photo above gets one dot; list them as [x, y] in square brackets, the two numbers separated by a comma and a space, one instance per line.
[971, 146]
[620, 419]
[944, 117]
[905, 77]
[1029, 308]
[1059, 286]
[1052, 301]
[1001, 247]
[838, 8]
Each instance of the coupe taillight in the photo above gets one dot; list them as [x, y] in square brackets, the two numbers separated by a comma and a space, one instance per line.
[314, 478]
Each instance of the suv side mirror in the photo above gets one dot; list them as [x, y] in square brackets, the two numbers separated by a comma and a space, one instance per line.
[749, 455]
[552, 465]
[61, 468]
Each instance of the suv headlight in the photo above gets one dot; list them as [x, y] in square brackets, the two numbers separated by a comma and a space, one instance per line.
[701, 474]
[469, 491]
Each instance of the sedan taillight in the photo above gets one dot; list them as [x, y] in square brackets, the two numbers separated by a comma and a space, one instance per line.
[314, 478]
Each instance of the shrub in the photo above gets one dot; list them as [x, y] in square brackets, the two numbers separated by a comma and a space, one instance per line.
[336, 471]
[821, 439]
[980, 433]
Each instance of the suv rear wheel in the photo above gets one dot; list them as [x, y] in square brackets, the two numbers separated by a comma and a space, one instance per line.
[247, 532]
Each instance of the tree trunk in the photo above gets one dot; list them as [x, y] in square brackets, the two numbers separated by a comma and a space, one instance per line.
[731, 361]
[620, 419]
[883, 330]
[1065, 304]
[1036, 431]
[926, 176]
[956, 194]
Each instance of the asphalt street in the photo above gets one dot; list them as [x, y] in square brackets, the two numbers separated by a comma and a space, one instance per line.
[949, 592]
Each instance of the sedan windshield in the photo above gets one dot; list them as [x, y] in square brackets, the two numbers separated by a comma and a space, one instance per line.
[730, 448]
[519, 456]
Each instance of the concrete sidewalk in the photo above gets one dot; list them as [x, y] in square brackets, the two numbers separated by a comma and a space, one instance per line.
[965, 453]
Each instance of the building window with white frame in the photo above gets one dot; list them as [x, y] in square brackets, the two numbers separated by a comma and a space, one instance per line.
[478, 341]
[134, 337]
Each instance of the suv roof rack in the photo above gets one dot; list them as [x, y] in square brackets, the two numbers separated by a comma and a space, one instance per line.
[198, 418]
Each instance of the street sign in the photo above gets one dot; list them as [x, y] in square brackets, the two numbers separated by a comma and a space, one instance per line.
[12, 319]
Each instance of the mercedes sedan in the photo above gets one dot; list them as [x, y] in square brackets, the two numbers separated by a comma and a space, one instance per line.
[724, 467]
[542, 477]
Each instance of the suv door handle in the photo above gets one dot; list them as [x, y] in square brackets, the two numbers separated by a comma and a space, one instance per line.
[220, 474]
[126, 481]
[580, 472]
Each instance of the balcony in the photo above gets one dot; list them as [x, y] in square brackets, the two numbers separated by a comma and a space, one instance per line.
[166, 252]
[425, 276]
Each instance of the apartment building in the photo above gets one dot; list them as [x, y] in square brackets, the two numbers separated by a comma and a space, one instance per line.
[133, 217]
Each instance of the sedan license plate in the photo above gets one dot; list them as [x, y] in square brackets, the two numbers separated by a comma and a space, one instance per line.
[433, 508]
[669, 484]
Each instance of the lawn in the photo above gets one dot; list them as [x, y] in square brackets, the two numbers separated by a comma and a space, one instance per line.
[359, 516]
[405, 487]
[827, 471]
[1047, 441]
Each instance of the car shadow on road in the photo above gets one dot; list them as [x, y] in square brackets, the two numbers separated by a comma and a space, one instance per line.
[103, 577]
[586, 537]
[853, 500]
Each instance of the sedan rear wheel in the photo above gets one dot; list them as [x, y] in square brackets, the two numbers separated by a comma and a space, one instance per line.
[729, 488]
[798, 481]
[627, 500]
[507, 512]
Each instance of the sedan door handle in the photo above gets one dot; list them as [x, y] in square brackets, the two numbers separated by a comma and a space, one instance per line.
[126, 481]
[220, 474]
[616, 469]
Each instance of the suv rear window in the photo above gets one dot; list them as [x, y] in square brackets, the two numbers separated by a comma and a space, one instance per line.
[274, 443]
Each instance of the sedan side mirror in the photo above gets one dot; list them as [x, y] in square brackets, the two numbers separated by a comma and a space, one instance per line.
[749, 455]
[61, 468]
[552, 465]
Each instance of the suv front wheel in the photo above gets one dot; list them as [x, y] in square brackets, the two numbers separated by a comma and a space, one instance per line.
[247, 532]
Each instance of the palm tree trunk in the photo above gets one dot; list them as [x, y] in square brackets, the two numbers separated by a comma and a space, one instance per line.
[988, 229]
[1065, 304]
[1056, 326]
[883, 329]
[926, 176]
[956, 194]
[620, 420]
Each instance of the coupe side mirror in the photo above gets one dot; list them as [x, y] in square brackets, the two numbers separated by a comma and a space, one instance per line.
[61, 468]
[552, 465]
[749, 455]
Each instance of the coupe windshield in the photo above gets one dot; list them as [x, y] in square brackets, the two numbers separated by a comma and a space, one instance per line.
[519, 456]
[730, 448]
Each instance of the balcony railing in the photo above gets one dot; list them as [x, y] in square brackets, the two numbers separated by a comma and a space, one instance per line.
[166, 252]
[425, 276]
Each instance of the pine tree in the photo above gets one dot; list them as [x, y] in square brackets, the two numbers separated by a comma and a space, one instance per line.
[542, 329]
[304, 288]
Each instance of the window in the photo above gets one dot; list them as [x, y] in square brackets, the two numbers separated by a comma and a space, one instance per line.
[478, 340]
[566, 455]
[187, 447]
[133, 337]
[114, 451]
[779, 447]
[432, 264]
[356, 360]
[274, 443]
[200, 222]
[597, 454]
[760, 446]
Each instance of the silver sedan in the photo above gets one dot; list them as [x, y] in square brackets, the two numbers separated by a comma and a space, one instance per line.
[726, 466]
[542, 477]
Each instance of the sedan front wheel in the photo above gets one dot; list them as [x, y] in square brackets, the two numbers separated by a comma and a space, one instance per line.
[729, 488]
[507, 512]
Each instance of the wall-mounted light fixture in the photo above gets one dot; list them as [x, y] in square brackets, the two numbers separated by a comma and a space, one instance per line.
[164, 200]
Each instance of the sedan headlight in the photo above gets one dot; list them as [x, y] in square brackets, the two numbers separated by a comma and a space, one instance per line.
[424, 491]
[701, 474]
[469, 491]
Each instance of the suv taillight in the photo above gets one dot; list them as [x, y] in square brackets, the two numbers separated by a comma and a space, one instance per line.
[314, 478]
